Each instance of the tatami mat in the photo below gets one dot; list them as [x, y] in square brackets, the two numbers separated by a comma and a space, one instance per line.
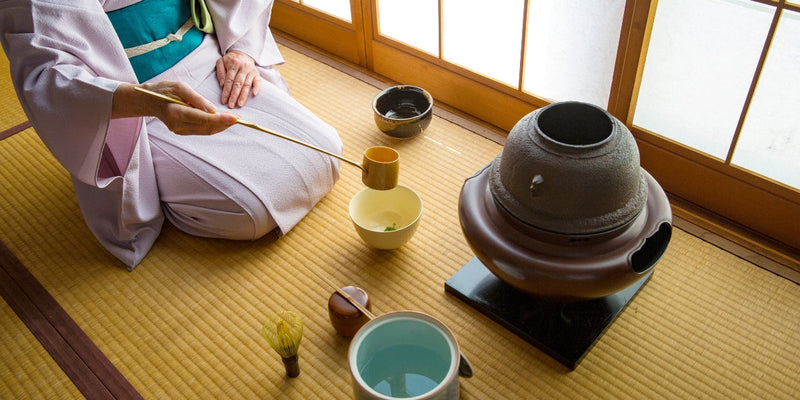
[12, 114]
[185, 323]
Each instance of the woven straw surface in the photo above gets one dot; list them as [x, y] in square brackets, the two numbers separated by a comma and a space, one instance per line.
[185, 323]
[12, 114]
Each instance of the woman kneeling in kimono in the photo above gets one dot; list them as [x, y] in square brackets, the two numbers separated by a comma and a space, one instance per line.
[134, 158]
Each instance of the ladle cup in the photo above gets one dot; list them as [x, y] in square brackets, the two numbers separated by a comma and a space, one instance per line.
[380, 168]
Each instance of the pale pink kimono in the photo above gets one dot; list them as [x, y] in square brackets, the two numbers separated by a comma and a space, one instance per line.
[66, 62]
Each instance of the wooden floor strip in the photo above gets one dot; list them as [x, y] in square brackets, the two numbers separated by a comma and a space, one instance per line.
[85, 364]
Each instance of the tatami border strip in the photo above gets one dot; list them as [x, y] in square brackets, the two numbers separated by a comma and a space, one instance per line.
[14, 130]
[83, 362]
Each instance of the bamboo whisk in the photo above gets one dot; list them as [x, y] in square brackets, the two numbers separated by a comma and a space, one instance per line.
[283, 331]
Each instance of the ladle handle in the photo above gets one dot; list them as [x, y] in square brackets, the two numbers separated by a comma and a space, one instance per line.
[300, 142]
[256, 127]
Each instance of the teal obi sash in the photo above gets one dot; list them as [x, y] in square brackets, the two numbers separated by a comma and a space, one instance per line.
[150, 31]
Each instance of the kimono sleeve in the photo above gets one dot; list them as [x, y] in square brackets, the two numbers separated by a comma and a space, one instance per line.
[66, 62]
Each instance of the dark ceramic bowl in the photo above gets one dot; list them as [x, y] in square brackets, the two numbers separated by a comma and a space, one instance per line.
[403, 111]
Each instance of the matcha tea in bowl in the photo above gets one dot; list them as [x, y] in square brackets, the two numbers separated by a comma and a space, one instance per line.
[386, 219]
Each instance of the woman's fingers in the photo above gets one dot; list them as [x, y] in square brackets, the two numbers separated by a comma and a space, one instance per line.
[238, 78]
[185, 92]
[189, 121]
[241, 88]
[199, 118]
[256, 84]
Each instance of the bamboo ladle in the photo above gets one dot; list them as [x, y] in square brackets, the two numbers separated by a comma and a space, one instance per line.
[380, 168]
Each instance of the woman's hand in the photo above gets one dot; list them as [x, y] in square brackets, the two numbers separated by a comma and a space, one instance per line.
[200, 118]
[238, 77]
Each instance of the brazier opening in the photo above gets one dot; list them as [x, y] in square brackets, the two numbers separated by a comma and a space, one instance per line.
[576, 124]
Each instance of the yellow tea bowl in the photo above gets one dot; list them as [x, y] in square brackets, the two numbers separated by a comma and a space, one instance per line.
[386, 219]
